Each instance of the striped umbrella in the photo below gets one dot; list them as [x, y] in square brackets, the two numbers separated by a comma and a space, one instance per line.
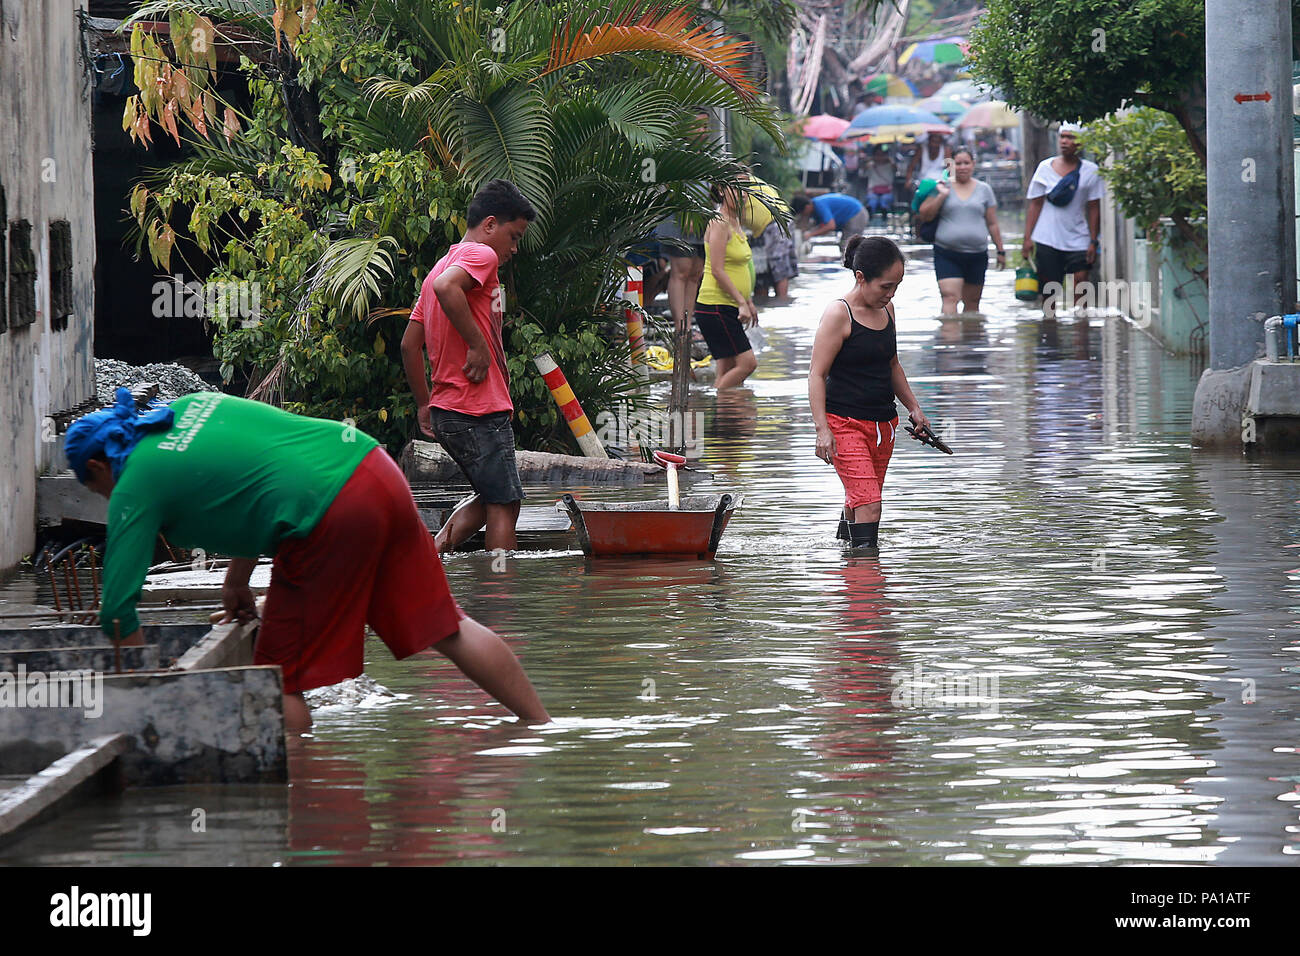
[890, 84]
[950, 50]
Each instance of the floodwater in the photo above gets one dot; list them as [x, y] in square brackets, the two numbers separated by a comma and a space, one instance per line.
[1078, 645]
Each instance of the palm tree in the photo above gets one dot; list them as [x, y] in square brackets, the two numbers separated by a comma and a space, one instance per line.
[589, 108]
[591, 111]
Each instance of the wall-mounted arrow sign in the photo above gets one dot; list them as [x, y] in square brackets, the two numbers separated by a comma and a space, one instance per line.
[1247, 97]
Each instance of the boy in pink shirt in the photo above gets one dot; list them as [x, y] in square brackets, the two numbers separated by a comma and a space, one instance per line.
[457, 320]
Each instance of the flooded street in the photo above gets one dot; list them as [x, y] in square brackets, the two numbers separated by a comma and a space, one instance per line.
[1077, 645]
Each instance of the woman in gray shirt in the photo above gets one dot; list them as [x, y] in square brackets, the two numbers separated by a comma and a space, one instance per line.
[968, 215]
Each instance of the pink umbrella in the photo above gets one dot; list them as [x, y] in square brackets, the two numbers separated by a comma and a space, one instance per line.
[824, 127]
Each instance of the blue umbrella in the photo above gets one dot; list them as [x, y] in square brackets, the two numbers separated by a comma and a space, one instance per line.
[892, 116]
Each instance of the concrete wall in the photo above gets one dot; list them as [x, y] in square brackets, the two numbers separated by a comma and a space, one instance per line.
[1180, 317]
[1182, 324]
[45, 169]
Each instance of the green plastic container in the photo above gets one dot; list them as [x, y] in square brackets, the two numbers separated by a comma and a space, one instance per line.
[1026, 283]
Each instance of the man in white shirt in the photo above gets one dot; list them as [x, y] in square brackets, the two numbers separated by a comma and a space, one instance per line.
[1063, 232]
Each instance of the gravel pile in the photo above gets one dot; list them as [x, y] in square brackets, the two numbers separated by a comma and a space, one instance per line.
[173, 380]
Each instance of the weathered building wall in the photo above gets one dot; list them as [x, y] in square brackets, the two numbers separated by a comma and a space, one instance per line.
[46, 367]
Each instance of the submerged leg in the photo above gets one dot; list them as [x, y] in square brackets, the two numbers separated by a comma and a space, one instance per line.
[864, 530]
[501, 522]
[297, 718]
[487, 660]
[462, 524]
[864, 535]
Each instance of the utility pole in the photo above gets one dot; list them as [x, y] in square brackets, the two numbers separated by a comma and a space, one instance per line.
[1250, 172]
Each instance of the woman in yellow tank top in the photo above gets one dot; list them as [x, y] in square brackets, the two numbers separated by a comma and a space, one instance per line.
[724, 307]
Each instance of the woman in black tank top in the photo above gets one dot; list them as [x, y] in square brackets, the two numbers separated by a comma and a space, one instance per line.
[854, 380]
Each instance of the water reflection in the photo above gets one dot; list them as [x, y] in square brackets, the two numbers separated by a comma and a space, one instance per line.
[860, 681]
[1121, 589]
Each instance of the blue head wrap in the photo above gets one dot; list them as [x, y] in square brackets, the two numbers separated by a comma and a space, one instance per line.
[114, 432]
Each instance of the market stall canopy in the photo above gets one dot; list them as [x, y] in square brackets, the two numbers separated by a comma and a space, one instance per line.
[824, 127]
[992, 115]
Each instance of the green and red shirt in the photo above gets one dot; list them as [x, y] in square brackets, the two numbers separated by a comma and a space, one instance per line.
[231, 476]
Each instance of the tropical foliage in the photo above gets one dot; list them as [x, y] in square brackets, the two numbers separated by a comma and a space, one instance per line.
[344, 176]
[1082, 59]
[1153, 174]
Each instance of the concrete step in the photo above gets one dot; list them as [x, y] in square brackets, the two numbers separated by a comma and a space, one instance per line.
[68, 780]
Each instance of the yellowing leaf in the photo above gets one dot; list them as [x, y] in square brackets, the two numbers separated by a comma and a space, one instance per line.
[169, 121]
[160, 244]
[230, 125]
[180, 86]
[195, 112]
[204, 35]
[139, 196]
[676, 32]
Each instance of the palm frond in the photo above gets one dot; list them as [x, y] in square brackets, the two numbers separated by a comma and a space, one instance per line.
[507, 137]
[644, 117]
[251, 15]
[355, 270]
[674, 32]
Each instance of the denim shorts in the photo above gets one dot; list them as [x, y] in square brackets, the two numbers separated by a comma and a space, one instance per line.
[484, 447]
[970, 267]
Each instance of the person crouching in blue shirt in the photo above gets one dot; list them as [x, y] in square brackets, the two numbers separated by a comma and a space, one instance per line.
[819, 215]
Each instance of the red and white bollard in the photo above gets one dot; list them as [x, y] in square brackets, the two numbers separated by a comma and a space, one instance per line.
[634, 294]
[570, 408]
